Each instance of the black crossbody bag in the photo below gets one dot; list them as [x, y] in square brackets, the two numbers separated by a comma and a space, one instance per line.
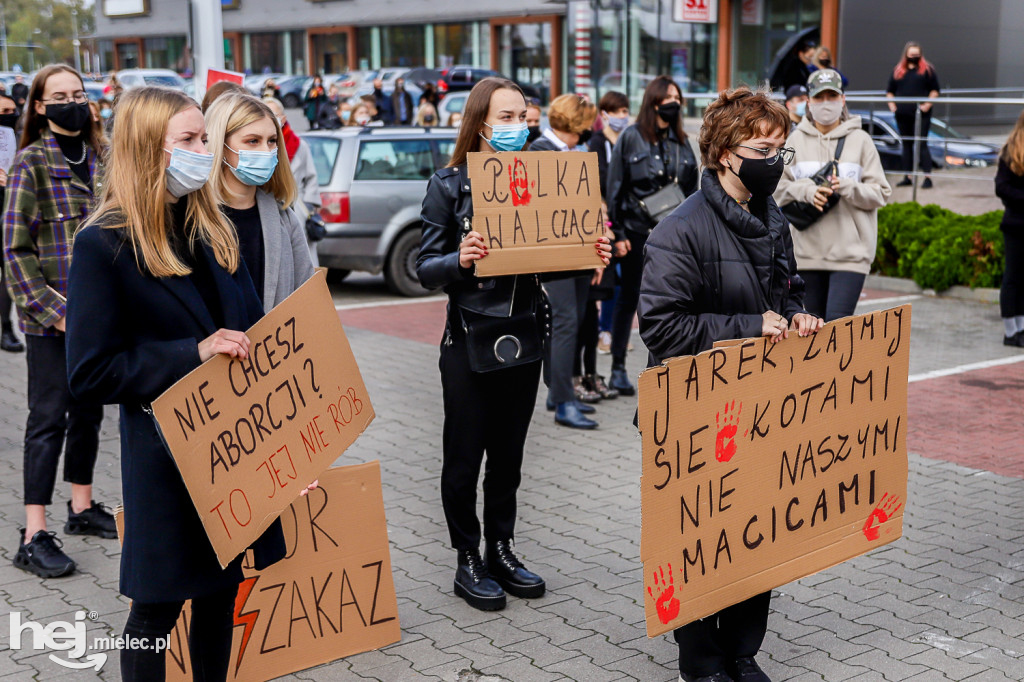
[802, 214]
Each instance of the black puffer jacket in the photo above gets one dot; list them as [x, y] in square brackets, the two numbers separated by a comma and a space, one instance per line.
[711, 270]
[639, 169]
[447, 216]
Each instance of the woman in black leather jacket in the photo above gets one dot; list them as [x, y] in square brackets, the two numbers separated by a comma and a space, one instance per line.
[721, 266]
[649, 155]
[483, 411]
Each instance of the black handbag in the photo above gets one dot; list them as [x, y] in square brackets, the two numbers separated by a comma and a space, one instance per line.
[659, 204]
[802, 214]
[502, 342]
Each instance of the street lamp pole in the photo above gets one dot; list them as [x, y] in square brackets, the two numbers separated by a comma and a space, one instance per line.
[74, 40]
[3, 30]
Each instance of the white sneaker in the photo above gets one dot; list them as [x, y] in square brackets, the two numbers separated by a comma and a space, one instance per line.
[604, 343]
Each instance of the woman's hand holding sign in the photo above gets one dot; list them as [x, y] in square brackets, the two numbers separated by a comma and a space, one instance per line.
[472, 248]
[806, 324]
[226, 341]
[604, 250]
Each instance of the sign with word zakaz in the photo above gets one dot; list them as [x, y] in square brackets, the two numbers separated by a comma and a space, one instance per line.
[249, 434]
[332, 596]
[536, 211]
[764, 463]
[695, 11]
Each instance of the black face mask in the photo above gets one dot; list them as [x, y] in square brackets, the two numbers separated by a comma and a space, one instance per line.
[534, 133]
[585, 136]
[9, 120]
[826, 63]
[71, 116]
[913, 61]
[758, 177]
[669, 113]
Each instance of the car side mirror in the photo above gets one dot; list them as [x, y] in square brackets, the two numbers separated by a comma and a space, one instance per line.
[890, 141]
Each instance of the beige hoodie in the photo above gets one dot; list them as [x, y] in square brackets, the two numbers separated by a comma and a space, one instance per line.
[845, 237]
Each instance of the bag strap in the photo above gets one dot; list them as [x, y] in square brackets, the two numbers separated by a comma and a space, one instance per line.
[839, 148]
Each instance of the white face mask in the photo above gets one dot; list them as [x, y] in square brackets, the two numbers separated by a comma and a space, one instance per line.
[826, 113]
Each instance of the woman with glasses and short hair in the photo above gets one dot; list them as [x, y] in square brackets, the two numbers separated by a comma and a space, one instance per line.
[721, 267]
[836, 251]
[50, 192]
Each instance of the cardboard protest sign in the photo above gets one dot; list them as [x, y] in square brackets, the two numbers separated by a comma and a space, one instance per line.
[331, 597]
[537, 211]
[764, 463]
[217, 75]
[248, 435]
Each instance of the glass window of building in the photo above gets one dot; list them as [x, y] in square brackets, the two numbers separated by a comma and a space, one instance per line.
[364, 48]
[761, 33]
[403, 45]
[330, 52]
[128, 55]
[266, 53]
[524, 55]
[453, 44]
[166, 53]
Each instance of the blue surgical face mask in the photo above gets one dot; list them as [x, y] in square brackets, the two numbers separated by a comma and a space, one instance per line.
[254, 168]
[801, 109]
[346, 115]
[618, 123]
[507, 138]
[188, 171]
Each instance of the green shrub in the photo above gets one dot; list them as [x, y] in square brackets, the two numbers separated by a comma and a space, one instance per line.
[938, 248]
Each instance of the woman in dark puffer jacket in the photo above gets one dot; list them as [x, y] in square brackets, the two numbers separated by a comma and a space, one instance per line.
[720, 267]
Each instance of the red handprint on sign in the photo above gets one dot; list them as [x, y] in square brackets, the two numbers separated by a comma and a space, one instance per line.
[518, 183]
[887, 506]
[665, 603]
[725, 444]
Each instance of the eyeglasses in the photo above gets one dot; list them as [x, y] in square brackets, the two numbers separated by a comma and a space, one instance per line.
[773, 154]
[60, 98]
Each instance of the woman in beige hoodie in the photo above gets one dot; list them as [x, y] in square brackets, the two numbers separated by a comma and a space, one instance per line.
[835, 253]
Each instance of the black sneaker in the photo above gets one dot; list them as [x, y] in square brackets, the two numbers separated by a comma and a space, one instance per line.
[927, 184]
[713, 677]
[905, 182]
[474, 584]
[510, 573]
[95, 520]
[10, 343]
[746, 670]
[43, 555]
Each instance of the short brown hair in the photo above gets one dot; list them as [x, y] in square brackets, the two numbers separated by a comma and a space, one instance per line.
[737, 115]
[571, 114]
[613, 101]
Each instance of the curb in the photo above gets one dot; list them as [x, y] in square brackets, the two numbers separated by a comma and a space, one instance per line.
[909, 286]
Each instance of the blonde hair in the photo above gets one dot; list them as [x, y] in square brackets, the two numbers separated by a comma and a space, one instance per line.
[133, 197]
[571, 114]
[1013, 151]
[231, 112]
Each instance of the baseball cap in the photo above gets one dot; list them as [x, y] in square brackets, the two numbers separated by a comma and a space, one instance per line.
[824, 79]
[795, 91]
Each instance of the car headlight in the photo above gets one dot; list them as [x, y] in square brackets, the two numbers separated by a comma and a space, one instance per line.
[955, 161]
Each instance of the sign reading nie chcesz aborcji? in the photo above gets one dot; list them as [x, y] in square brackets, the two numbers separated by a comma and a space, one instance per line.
[764, 463]
[249, 435]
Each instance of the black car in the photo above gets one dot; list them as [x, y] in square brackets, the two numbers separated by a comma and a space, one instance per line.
[947, 146]
[459, 78]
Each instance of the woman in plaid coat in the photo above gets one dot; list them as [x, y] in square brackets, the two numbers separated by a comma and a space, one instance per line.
[50, 191]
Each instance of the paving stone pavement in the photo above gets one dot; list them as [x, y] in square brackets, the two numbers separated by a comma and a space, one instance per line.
[945, 602]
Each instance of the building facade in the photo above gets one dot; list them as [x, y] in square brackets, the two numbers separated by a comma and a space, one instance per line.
[587, 46]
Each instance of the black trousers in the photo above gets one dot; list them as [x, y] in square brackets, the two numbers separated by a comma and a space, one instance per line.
[631, 268]
[585, 360]
[1011, 293]
[568, 298]
[905, 123]
[209, 641]
[832, 294]
[490, 413]
[5, 302]
[53, 418]
[707, 645]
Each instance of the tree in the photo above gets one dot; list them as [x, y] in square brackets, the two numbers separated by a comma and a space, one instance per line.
[46, 25]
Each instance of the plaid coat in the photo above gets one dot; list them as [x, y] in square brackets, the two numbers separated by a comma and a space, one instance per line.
[45, 205]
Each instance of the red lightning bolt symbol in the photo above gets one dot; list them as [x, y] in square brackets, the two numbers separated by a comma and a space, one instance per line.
[248, 619]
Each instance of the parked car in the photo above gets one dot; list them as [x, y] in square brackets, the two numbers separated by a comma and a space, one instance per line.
[136, 78]
[255, 82]
[348, 83]
[367, 88]
[372, 183]
[948, 147]
[453, 103]
[459, 78]
[93, 89]
[293, 89]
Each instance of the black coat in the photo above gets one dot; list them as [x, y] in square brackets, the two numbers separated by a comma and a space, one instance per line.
[447, 216]
[130, 337]
[397, 97]
[711, 270]
[1010, 188]
[601, 145]
[639, 169]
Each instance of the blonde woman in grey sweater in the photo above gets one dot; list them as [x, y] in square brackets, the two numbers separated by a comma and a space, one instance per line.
[834, 255]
